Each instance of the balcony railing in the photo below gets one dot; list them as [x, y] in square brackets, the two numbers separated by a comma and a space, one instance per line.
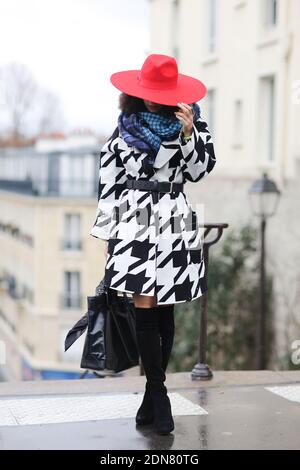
[71, 301]
[71, 245]
[70, 187]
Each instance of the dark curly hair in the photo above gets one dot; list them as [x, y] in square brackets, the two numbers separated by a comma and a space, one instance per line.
[132, 104]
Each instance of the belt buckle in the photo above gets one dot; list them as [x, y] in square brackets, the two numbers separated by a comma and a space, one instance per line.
[171, 188]
[155, 184]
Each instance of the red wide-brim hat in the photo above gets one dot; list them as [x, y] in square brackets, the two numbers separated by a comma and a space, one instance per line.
[159, 81]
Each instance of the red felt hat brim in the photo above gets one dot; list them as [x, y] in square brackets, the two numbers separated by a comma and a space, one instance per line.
[188, 89]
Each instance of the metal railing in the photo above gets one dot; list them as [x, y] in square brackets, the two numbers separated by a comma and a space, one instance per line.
[201, 370]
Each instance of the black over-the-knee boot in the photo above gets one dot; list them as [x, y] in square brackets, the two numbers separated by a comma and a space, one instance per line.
[145, 414]
[167, 331]
[149, 344]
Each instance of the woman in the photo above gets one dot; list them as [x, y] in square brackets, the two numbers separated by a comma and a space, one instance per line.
[154, 248]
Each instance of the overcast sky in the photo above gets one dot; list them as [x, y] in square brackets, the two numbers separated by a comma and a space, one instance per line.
[73, 46]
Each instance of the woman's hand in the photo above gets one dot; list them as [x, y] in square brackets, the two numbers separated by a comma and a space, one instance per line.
[186, 116]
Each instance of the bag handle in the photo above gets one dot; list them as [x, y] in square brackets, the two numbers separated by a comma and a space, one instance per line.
[118, 328]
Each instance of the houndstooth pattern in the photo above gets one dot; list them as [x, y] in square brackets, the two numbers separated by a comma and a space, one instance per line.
[155, 244]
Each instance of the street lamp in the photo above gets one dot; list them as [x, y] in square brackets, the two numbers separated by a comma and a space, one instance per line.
[264, 198]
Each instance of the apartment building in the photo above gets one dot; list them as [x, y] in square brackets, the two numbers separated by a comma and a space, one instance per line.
[246, 52]
[49, 263]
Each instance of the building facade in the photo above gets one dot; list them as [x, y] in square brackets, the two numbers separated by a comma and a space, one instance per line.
[246, 52]
[49, 263]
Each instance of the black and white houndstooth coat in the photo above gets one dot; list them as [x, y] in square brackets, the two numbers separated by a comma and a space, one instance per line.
[155, 244]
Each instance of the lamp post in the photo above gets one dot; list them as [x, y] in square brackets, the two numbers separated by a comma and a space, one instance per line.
[264, 198]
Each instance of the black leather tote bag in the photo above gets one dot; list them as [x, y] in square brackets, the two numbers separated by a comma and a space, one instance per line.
[110, 341]
[121, 343]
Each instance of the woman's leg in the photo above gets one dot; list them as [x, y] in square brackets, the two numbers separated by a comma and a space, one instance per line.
[166, 323]
[167, 332]
[145, 413]
[147, 319]
[149, 345]
[144, 300]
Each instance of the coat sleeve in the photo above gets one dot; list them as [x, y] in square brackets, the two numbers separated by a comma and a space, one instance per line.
[198, 156]
[111, 184]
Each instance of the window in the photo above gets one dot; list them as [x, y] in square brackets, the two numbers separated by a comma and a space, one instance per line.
[238, 123]
[212, 25]
[175, 29]
[267, 118]
[73, 171]
[71, 239]
[270, 12]
[72, 295]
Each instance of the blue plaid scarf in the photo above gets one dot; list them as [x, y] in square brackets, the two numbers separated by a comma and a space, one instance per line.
[146, 130]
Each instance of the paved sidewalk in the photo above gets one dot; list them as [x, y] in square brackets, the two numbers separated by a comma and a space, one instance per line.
[235, 410]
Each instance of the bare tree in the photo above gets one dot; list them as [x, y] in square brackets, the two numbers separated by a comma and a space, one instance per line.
[30, 109]
[20, 90]
[50, 115]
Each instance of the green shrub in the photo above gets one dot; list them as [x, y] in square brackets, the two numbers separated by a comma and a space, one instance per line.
[233, 300]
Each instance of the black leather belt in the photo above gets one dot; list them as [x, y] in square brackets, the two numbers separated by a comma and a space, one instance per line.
[159, 186]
